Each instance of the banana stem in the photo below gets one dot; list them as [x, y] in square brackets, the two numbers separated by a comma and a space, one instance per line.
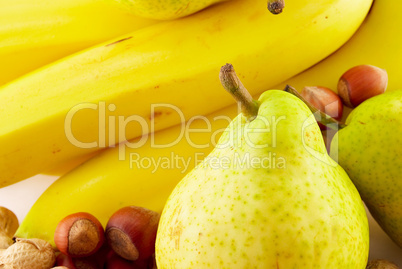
[276, 6]
[320, 116]
[231, 82]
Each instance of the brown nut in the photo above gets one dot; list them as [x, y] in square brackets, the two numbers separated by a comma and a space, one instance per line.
[101, 255]
[8, 222]
[5, 242]
[114, 261]
[324, 100]
[8, 226]
[131, 232]
[361, 83]
[28, 254]
[79, 235]
[381, 264]
[77, 263]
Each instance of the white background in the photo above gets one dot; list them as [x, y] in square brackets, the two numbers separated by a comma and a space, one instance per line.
[21, 196]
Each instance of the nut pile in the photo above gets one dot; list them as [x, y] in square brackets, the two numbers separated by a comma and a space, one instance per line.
[128, 242]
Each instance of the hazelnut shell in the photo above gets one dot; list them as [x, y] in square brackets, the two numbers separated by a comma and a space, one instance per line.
[79, 235]
[360, 83]
[131, 232]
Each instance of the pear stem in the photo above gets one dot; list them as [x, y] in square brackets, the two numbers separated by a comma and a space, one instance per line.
[231, 82]
[276, 6]
[320, 116]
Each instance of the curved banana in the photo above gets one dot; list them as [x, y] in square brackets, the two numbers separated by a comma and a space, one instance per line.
[165, 10]
[52, 115]
[143, 177]
[35, 33]
[377, 42]
[105, 183]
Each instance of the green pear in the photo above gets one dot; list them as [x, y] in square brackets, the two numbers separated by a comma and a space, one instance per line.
[268, 196]
[369, 148]
[165, 9]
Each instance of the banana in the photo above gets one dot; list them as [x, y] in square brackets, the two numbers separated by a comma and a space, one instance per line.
[104, 184]
[35, 33]
[144, 176]
[52, 116]
[377, 42]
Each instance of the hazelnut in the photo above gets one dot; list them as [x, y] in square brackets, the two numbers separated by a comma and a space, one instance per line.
[5, 242]
[324, 100]
[28, 254]
[361, 83]
[131, 232]
[8, 226]
[77, 263]
[114, 261]
[79, 235]
[381, 264]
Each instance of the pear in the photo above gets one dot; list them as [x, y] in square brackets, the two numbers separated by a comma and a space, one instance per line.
[165, 9]
[268, 196]
[369, 148]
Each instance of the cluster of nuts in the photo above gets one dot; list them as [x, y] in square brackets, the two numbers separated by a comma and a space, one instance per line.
[127, 242]
[356, 85]
[24, 253]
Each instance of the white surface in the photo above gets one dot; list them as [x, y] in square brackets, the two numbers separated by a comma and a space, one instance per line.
[21, 196]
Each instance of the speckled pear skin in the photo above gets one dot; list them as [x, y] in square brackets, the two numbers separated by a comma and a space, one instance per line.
[370, 150]
[307, 214]
[166, 9]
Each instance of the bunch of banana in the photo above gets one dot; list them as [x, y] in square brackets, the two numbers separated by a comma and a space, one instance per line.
[377, 42]
[145, 176]
[173, 62]
[35, 33]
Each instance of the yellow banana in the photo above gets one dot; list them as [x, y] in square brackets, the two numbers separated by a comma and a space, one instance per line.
[377, 42]
[52, 115]
[35, 33]
[105, 183]
[165, 10]
[109, 181]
